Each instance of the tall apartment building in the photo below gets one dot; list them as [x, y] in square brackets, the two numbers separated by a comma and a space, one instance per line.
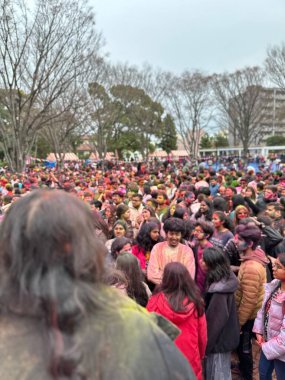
[271, 121]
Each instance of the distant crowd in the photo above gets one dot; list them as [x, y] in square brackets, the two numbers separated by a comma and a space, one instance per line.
[203, 247]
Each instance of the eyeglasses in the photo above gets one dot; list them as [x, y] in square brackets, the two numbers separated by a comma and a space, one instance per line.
[198, 232]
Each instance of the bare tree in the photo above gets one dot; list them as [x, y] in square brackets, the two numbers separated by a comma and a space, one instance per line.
[43, 53]
[73, 113]
[189, 99]
[71, 120]
[152, 81]
[275, 68]
[240, 99]
[103, 114]
[275, 65]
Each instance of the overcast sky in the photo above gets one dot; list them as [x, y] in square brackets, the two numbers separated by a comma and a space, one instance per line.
[174, 35]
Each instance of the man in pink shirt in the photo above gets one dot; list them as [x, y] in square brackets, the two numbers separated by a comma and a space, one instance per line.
[170, 250]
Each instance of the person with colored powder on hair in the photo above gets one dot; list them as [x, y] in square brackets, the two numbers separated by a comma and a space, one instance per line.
[171, 250]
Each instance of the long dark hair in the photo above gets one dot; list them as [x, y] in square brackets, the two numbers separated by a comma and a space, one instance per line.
[218, 267]
[129, 264]
[121, 223]
[100, 225]
[220, 204]
[179, 288]
[144, 239]
[208, 214]
[121, 209]
[226, 220]
[51, 261]
[110, 221]
[118, 244]
[281, 258]
[150, 209]
[238, 200]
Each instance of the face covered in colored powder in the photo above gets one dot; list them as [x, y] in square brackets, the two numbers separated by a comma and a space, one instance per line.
[217, 221]
[241, 244]
[242, 213]
[173, 238]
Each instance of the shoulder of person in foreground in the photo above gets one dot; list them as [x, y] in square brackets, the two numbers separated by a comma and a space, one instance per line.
[132, 339]
[116, 340]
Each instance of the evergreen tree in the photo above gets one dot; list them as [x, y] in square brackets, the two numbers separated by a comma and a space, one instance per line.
[168, 140]
[206, 142]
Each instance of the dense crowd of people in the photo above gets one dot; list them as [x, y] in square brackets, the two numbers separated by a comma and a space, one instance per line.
[203, 249]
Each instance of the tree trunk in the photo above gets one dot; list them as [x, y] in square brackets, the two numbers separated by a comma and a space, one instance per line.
[245, 150]
[16, 155]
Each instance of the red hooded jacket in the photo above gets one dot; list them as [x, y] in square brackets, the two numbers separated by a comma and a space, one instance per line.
[193, 338]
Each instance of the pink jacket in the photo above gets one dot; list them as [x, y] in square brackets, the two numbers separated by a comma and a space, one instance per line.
[274, 348]
[162, 254]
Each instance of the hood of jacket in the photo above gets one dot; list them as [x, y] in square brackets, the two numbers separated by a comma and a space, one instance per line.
[176, 317]
[257, 255]
[229, 285]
